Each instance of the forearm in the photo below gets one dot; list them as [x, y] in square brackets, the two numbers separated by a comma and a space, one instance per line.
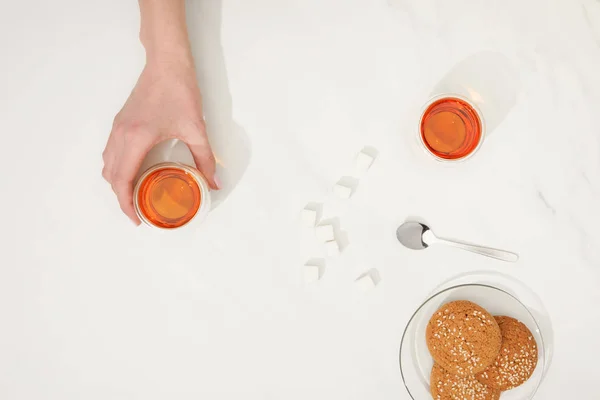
[163, 31]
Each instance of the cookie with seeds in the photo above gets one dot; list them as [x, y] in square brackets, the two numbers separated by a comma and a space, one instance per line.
[517, 359]
[463, 338]
[447, 386]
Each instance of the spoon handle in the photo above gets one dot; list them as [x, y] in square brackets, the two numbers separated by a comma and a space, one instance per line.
[484, 251]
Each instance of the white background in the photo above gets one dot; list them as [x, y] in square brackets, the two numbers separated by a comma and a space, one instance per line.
[93, 308]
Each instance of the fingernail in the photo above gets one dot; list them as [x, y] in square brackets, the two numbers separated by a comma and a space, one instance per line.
[135, 221]
[217, 182]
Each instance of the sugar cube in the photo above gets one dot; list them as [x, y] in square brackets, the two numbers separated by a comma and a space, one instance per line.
[363, 162]
[325, 233]
[311, 273]
[367, 281]
[333, 248]
[342, 191]
[309, 217]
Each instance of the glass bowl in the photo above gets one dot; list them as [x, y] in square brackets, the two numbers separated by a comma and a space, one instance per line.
[416, 362]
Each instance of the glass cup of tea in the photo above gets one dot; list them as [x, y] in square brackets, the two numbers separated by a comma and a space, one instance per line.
[170, 193]
[451, 128]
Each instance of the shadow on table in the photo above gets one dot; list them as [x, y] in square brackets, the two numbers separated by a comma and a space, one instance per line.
[487, 79]
[228, 140]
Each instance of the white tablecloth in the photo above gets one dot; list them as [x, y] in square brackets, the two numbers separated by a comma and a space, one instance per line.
[93, 308]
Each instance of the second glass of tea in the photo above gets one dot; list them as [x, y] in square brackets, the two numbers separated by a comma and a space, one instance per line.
[451, 128]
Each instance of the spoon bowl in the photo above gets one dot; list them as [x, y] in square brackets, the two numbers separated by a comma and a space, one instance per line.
[410, 234]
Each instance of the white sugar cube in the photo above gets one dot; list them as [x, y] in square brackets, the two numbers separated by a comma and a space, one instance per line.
[342, 191]
[333, 248]
[309, 217]
[325, 233]
[311, 273]
[367, 281]
[363, 162]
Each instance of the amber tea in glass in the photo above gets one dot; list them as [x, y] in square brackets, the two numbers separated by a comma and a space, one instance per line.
[170, 195]
[451, 128]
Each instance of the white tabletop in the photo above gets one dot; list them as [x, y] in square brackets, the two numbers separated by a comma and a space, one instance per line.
[93, 308]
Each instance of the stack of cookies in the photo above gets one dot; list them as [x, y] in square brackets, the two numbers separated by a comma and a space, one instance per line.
[477, 356]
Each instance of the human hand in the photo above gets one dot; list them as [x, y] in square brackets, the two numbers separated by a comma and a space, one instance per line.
[165, 104]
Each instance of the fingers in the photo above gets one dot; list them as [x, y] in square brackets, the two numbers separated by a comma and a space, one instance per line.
[197, 141]
[108, 157]
[123, 158]
[124, 192]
